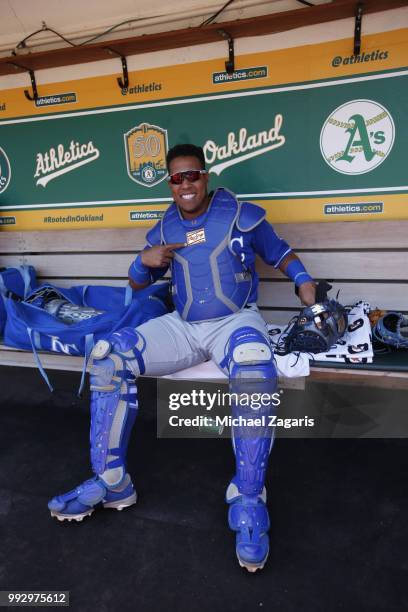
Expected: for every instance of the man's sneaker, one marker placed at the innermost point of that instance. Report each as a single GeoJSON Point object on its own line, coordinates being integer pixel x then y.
{"type": "Point", "coordinates": [248, 516]}
{"type": "Point", "coordinates": [81, 502]}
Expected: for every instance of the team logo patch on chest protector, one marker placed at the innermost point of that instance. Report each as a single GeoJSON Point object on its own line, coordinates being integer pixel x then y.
{"type": "Point", "coordinates": [209, 280]}
{"type": "Point", "coordinates": [195, 237]}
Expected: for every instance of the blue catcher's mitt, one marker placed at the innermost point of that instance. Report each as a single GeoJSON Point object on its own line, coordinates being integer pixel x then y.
{"type": "Point", "coordinates": [317, 328]}
{"type": "Point", "coordinates": [392, 330]}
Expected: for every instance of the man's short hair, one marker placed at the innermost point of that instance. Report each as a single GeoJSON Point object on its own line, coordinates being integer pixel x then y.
{"type": "Point", "coordinates": [186, 150]}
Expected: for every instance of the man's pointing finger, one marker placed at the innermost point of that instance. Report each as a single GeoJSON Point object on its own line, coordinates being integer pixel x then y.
{"type": "Point", "coordinates": [175, 245]}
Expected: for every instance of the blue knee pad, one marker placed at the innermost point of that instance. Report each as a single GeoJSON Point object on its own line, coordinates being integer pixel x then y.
{"type": "Point", "coordinates": [253, 377]}
{"type": "Point", "coordinates": [249, 355]}
{"type": "Point", "coordinates": [115, 364]}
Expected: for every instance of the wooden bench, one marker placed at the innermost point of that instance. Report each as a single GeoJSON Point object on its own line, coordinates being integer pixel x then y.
{"type": "Point", "coordinates": [363, 260]}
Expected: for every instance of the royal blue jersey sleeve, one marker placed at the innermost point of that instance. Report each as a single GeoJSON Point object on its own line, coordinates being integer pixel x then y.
{"type": "Point", "coordinates": [268, 245]}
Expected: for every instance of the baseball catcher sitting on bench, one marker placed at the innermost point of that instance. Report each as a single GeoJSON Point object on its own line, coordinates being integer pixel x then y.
{"type": "Point", "coordinates": [209, 241]}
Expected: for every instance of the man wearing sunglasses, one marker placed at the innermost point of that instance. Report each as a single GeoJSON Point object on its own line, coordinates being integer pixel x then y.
{"type": "Point", "coordinates": [209, 241]}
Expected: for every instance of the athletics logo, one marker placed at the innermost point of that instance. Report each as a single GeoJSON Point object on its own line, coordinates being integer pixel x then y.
{"type": "Point", "coordinates": [58, 161]}
{"type": "Point", "coordinates": [357, 137]}
{"type": "Point", "coordinates": [146, 149]}
{"type": "Point", "coordinates": [5, 171]}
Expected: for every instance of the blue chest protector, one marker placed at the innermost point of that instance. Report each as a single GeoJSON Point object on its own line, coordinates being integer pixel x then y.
{"type": "Point", "coordinates": [209, 280]}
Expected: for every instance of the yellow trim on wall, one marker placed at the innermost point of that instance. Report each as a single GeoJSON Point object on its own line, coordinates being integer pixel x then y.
{"type": "Point", "coordinates": [278, 211]}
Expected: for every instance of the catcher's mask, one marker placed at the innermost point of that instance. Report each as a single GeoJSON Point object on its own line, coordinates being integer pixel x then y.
{"type": "Point", "coordinates": [317, 328]}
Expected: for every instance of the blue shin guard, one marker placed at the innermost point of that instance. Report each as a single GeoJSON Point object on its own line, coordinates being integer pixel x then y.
{"type": "Point", "coordinates": [115, 364]}
{"type": "Point", "coordinates": [253, 381]}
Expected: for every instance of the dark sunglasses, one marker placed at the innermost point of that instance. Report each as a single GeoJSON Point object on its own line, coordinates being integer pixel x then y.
{"type": "Point", "coordinates": [191, 175]}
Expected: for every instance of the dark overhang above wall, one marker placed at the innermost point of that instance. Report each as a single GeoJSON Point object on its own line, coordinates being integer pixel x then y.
{"type": "Point", "coordinates": [254, 26]}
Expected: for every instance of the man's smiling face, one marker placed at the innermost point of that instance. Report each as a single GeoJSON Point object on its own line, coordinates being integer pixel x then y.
{"type": "Point", "coordinates": [190, 197]}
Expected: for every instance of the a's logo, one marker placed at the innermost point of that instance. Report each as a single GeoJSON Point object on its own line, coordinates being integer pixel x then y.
{"type": "Point", "coordinates": [146, 149]}
{"type": "Point", "coordinates": [240, 147]}
{"type": "Point", "coordinates": [5, 171]}
{"type": "Point", "coordinates": [357, 137]}
{"type": "Point", "coordinates": [58, 161]}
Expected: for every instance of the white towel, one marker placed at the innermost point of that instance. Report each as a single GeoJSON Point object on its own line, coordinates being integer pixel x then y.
{"type": "Point", "coordinates": [289, 366]}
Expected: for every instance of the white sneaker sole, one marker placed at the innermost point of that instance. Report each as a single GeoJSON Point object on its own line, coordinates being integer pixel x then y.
{"type": "Point", "coordinates": [71, 517]}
